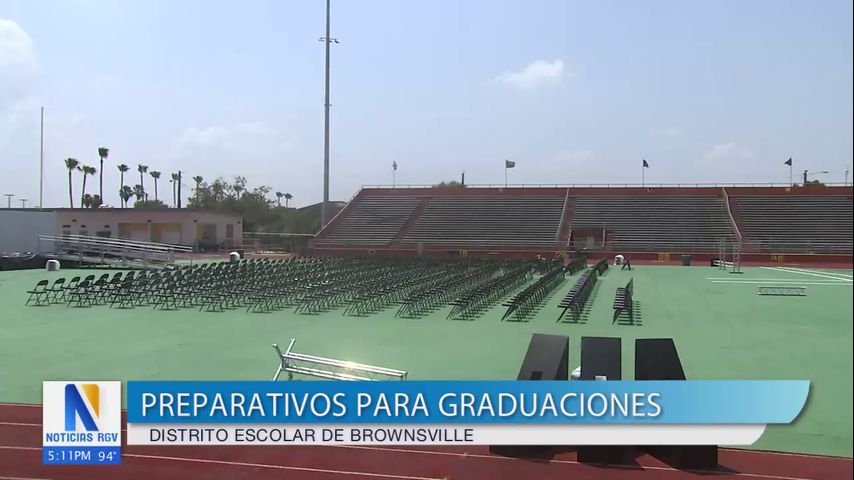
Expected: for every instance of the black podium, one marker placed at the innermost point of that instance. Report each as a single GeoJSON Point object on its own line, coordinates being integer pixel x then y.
{"type": "Point", "coordinates": [601, 359]}
{"type": "Point", "coordinates": [547, 358]}
{"type": "Point", "coordinates": [657, 359]}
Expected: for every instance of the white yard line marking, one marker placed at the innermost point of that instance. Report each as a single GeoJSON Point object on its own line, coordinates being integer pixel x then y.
{"type": "Point", "coordinates": [778, 284]}
{"type": "Point", "coordinates": [846, 275]}
{"type": "Point", "coordinates": [773, 280]}
{"type": "Point", "coordinates": [785, 269]}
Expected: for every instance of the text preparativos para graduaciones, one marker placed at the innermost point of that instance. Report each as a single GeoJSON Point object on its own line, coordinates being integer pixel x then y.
{"type": "Point", "coordinates": [292, 405]}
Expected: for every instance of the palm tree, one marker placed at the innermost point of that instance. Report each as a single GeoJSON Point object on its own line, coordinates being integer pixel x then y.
{"type": "Point", "coordinates": [103, 152]}
{"type": "Point", "coordinates": [125, 193]}
{"type": "Point", "coordinates": [122, 168]}
{"type": "Point", "coordinates": [87, 170]}
{"type": "Point", "coordinates": [288, 197]}
{"type": "Point", "coordinates": [279, 196]}
{"type": "Point", "coordinates": [139, 192]}
{"type": "Point", "coordinates": [175, 179]}
{"type": "Point", "coordinates": [198, 179]}
{"type": "Point", "coordinates": [156, 176]}
{"type": "Point", "coordinates": [71, 164]}
{"type": "Point", "coordinates": [141, 169]}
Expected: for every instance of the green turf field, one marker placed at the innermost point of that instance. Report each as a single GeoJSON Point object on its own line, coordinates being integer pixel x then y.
{"type": "Point", "coordinates": [722, 329]}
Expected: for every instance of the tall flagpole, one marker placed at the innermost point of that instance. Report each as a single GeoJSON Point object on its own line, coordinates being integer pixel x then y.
{"type": "Point", "coordinates": [505, 173]}
{"type": "Point", "coordinates": [41, 162]}
{"type": "Point", "coordinates": [323, 212]}
{"type": "Point", "coordinates": [643, 175]}
{"type": "Point", "coordinates": [790, 175]}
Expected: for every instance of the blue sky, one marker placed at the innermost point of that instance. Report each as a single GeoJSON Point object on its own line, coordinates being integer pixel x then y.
{"type": "Point", "coordinates": [574, 92]}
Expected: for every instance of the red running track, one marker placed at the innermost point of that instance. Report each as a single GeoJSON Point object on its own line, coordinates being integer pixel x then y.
{"type": "Point", "coordinates": [20, 459]}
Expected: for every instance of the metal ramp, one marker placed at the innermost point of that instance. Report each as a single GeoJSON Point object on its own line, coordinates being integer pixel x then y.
{"type": "Point", "coordinates": [115, 252]}
{"type": "Point", "coordinates": [330, 369]}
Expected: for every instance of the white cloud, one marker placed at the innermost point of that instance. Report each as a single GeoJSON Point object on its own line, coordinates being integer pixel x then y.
{"type": "Point", "coordinates": [673, 132]}
{"type": "Point", "coordinates": [16, 47]}
{"type": "Point", "coordinates": [256, 150]}
{"type": "Point", "coordinates": [538, 74]}
{"type": "Point", "coordinates": [17, 65]}
{"type": "Point", "coordinates": [728, 152]}
{"type": "Point", "coordinates": [576, 157]}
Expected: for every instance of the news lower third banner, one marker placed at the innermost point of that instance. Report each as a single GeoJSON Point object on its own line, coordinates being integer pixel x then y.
{"type": "Point", "coordinates": [460, 412]}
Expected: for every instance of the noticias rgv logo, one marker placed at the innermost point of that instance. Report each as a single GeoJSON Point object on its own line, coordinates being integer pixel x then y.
{"type": "Point", "coordinates": [81, 412]}
{"type": "Point", "coordinates": [76, 408]}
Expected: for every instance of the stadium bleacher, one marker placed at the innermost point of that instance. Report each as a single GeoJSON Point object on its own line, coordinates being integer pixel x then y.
{"type": "Point", "coordinates": [646, 222]}
{"type": "Point", "coordinates": [808, 224]}
{"type": "Point", "coordinates": [655, 223]}
{"type": "Point", "coordinates": [488, 221]}
{"type": "Point", "coordinates": [372, 221]}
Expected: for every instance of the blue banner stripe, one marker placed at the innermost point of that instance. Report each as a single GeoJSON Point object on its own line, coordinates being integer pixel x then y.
{"type": "Point", "coordinates": [543, 402]}
{"type": "Point", "coordinates": [81, 455]}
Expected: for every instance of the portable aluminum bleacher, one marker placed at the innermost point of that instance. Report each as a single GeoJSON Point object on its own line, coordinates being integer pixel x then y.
{"type": "Point", "coordinates": [784, 290]}
{"type": "Point", "coordinates": [331, 369]}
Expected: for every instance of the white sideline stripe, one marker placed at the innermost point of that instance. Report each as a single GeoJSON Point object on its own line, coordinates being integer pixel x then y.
{"type": "Point", "coordinates": [814, 272]}
{"type": "Point", "coordinates": [774, 284]}
{"type": "Point", "coordinates": [818, 271]}
{"type": "Point", "coordinates": [772, 280]}
{"type": "Point", "coordinates": [22, 478]}
{"type": "Point", "coordinates": [404, 477]}
{"type": "Point", "coordinates": [784, 269]}
{"type": "Point", "coordinates": [575, 462]}
{"type": "Point", "coordinates": [259, 465]}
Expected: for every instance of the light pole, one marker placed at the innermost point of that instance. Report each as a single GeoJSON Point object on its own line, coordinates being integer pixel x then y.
{"type": "Point", "coordinates": [9, 199]}
{"type": "Point", "coordinates": [328, 40]}
{"type": "Point", "coordinates": [807, 172]}
{"type": "Point", "coordinates": [23, 202]}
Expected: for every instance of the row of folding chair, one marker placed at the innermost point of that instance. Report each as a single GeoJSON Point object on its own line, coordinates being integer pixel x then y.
{"type": "Point", "coordinates": [577, 297]}
{"type": "Point", "coordinates": [524, 302]}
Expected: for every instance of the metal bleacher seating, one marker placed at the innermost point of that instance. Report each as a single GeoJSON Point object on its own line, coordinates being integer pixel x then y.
{"type": "Point", "coordinates": [655, 223]}
{"type": "Point", "coordinates": [372, 221]}
{"type": "Point", "coordinates": [796, 224]}
{"type": "Point", "coordinates": [488, 221]}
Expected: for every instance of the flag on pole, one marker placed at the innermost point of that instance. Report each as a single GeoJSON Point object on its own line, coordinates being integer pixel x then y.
{"type": "Point", "coordinates": [788, 162]}
{"type": "Point", "coordinates": [394, 166]}
{"type": "Point", "coordinates": [509, 164]}
{"type": "Point", "coordinates": [645, 164]}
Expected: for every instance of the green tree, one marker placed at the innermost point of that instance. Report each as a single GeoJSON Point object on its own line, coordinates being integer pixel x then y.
{"type": "Point", "coordinates": [288, 198]}
{"type": "Point", "coordinates": [149, 204]}
{"type": "Point", "coordinates": [451, 184]}
{"type": "Point", "coordinates": [156, 176]}
{"type": "Point", "coordinates": [279, 196]}
{"type": "Point", "coordinates": [103, 152]}
{"type": "Point", "coordinates": [71, 164]}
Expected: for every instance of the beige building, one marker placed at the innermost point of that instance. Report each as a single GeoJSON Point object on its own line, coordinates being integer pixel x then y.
{"type": "Point", "coordinates": [174, 226]}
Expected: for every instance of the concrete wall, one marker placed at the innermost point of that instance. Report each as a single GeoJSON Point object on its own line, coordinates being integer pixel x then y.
{"type": "Point", "coordinates": [165, 226]}
{"type": "Point", "coordinates": [19, 229]}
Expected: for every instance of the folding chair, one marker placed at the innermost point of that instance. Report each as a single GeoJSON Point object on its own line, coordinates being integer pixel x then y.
{"type": "Point", "coordinates": [55, 290]}
{"type": "Point", "coordinates": [39, 294]}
